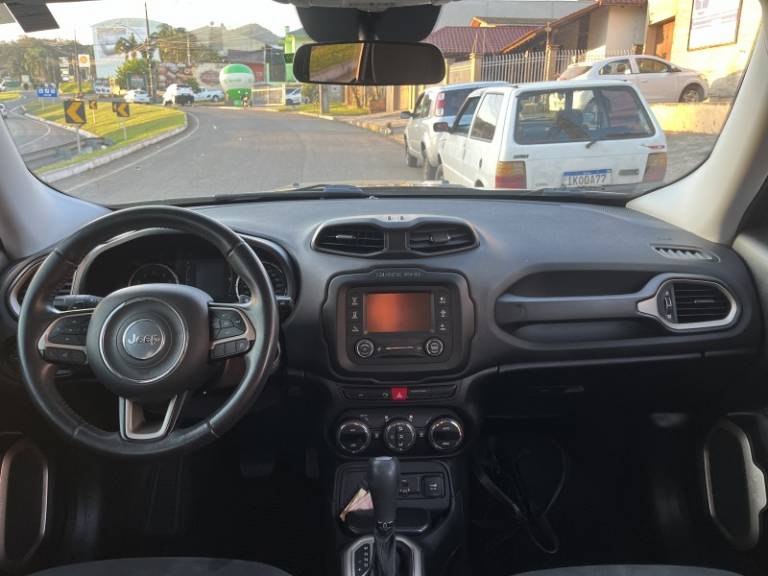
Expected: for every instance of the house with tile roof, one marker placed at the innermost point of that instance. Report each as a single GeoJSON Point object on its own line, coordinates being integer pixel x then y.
{"type": "Point", "coordinates": [458, 42]}
{"type": "Point", "coordinates": [603, 28]}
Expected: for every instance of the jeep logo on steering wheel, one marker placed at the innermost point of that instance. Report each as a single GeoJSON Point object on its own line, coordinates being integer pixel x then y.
{"type": "Point", "coordinates": [143, 339]}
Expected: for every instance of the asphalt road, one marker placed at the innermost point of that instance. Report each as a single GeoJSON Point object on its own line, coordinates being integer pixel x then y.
{"type": "Point", "coordinates": [228, 151]}
{"type": "Point", "coordinates": [32, 135]}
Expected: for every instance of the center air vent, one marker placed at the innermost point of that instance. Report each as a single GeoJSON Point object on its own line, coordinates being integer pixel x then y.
{"type": "Point", "coordinates": [21, 283]}
{"type": "Point", "coordinates": [438, 238]}
{"type": "Point", "coordinates": [351, 239]}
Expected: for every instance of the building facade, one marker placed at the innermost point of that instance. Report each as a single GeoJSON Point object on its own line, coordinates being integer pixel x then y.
{"type": "Point", "coordinates": [714, 37]}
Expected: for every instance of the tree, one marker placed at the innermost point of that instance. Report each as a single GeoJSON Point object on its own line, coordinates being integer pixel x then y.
{"type": "Point", "coordinates": [129, 67]}
{"type": "Point", "coordinates": [128, 46]}
{"type": "Point", "coordinates": [177, 45]}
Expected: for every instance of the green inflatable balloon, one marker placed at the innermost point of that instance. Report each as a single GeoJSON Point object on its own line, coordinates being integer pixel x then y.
{"type": "Point", "coordinates": [237, 81]}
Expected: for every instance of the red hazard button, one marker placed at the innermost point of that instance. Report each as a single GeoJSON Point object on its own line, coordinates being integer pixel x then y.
{"type": "Point", "coordinates": [399, 394]}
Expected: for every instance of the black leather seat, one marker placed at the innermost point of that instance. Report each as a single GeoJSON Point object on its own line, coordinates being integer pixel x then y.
{"type": "Point", "coordinates": [629, 570]}
{"type": "Point", "coordinates": [165, 567]}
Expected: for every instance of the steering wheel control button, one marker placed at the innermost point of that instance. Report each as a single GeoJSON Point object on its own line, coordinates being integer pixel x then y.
{"type": "Point", "coordinates": [353, 436]}
{"type": "Point", "coordinates": [226, 324]}
{"type": "Point", "coordinates": [64, 356]}
{"type": "Point", "coordinates": [144, 339]}
{"type": "Point", "coordinates": [434, 347]}
{"type": "Point", "coordinates": [231, 348]}
{"type": "Point", "coordinates": [364, 348]}
{"type": "Point", "coordinates": [445, 434]}
{"type": "Point", "coordinates": [399, 436]}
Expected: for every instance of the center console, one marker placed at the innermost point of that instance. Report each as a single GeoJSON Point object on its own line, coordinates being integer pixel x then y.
{"type": "Point", "coordinates": [399, 321]}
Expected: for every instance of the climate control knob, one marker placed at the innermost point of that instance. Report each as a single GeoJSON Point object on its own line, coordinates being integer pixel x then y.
{"type": "Point", "coordinates": [399, 435]}
{"type": "Point", "coordinates": [445, 434]}
{"type": "Point", "coordinates": [353, 436]}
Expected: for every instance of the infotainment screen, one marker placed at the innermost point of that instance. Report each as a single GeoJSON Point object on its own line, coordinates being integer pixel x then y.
{"type": "Point", "coordinates": [398, 312]}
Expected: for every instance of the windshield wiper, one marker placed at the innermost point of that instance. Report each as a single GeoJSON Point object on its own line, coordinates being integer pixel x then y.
{"type": "Point", "coordinates": [325, 188]}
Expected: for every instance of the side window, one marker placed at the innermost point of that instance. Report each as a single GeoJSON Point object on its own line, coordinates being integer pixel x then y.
{"type": "Point", "coordinates": [417, 107]}
{"type": "Point", "coordinates": [422, 110]}
{"type": "Point", "coordinates": [464, 118]}
{"type": "Point", "coordinates": [487, 117]}
{"type": "Point", "coordinates": [616, 68]}
{"type": "Point", "coordinates": [651, 66]}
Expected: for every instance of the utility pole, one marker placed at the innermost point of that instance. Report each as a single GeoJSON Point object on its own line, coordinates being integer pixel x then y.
{"type": "Point", "coordinates": [149, 57]}
{"type": "Point", "coordinates": [189, 54]}
{"type": "Point", "coordinates": [77, 69]}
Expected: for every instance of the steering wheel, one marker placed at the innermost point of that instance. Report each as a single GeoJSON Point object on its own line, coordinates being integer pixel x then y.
{"type": "Point", "coordinates": [151, 345]}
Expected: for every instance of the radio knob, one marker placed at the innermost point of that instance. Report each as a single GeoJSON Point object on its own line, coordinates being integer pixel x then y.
{"type": "Point", "coordinates": [434, 347]}
{"type": "Point", "coordinates": [399, 435]}
{"type": "Point", "coordinates": [353, 436]}
{"type": "Point", "coordinates": [445, 434]}
{"type": "Point", "coordinates": [364, 348]}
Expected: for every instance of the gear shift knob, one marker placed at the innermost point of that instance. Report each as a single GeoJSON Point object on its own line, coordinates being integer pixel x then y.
{"type": "Point", "coordinates": [383, 480]}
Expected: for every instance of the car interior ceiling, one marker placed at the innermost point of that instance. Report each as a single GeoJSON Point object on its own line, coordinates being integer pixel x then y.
{"type": "Point", "coordinates": [574, 386]}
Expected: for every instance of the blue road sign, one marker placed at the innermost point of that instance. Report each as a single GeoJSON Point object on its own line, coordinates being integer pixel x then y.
{"type": "Point", "coordinates": [47, 92]}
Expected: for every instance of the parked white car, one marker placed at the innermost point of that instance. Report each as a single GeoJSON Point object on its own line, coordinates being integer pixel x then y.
{"type": "Point", "coordinates": [294, 97]}
{"type": "Point", "coordinates": [436, 104]}
{"type": "Point", "coordinates": [214, 95]}
{"type": "Point", "coordinates": [3, 111]}
{"type": "Point", "coordinates": [137, 96]}
{"type": "Point", "coordinates": [657, 79]}
{"type": "Point", "coordinates": [572, 134]}
{"type": "Point", "coordinates": [178, 94]}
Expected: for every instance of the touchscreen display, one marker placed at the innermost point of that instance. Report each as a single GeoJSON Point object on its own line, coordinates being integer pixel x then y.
{"type": "Point", "coordinates": [398, 312]}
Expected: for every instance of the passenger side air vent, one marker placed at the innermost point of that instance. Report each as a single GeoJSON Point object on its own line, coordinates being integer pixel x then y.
{"type": "Point", "coordinates": [440, 238]}
{"type": "Point", "coordinates": [361, 239]}
{"type": "Point", "coordinates": [697, 302]}
{"type": "Point", "coordinates": [682, 253]}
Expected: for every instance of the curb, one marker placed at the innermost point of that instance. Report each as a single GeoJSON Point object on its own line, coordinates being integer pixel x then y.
{"type": "Point", "coordinates": [69, 171]}
{"type": "Point", "coordinates": [63, 126]}
{"type": "Point", "coordinates": [370, 126]}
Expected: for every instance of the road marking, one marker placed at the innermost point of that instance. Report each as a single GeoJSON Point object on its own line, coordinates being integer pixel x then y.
{"type": "Point", "coordinates": [140, 160]}
{"type": "Point", "coordinates": [23, 117]}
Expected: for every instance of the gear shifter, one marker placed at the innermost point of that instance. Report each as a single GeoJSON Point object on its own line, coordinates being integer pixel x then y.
{"type": "Point", "coordinates": [383, 479]}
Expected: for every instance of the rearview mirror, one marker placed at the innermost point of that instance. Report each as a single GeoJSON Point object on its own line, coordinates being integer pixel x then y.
{"type": "Point", "coordinates": [369, 63]}
{"type": "Point", "coordinates": [441, 127]}
{"type": "Point", "coordinates": [405, 115]}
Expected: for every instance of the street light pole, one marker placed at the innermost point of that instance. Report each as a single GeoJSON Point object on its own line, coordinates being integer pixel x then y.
{"type": "Point", "coordinates": [148, 54]}
{"type": "Point", "coordinates": [77, 69]}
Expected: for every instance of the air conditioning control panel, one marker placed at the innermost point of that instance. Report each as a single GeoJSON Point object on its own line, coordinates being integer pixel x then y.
{"type": "Point", "coordinates": [427, 431]}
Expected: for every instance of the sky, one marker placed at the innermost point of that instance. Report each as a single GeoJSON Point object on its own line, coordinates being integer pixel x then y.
{"type": "Point", "coordinates": [190, 14]}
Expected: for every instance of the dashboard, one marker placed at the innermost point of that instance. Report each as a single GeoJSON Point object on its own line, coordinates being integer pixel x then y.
{"type": "Point", "coordinates": [407, 291]}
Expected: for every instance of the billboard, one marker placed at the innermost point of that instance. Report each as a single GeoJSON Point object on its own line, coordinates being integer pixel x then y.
{"type": "Point", "coordinates": [107, 34]}
{"type": "Point", "coordinates": [714, 23]}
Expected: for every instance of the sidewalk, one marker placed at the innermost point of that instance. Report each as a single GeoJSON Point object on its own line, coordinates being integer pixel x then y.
{"type": "Point", "coordinates": [385, 123]}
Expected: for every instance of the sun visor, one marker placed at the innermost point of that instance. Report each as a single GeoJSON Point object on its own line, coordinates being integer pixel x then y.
{"type": "Point", "coordinates": [32, 17]}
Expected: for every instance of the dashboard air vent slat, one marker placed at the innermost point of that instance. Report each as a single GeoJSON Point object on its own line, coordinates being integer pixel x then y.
{"type": "Point", "coordinates": [681, 253]}
{"type": "Point", "coordinates": [700, 302]}
{"type": "Point", "coordinates": [440, 238]}
{"type": "Point", "coordinates": [351, 239]}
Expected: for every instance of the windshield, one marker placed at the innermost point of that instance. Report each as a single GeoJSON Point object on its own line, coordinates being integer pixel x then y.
{"type": "Point", "coordinates": [192, 101]}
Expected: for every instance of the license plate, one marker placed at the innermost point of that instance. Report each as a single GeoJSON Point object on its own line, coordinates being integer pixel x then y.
{"type": "Point", "coordinates": [587, 178]}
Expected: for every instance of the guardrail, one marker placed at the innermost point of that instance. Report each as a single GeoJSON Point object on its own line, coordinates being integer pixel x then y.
{"type": "Point", "coordinates": [46, 156]}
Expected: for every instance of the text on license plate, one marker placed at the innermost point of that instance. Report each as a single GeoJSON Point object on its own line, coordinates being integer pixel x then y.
{"type": "Point", "coordinates": [587, 178]}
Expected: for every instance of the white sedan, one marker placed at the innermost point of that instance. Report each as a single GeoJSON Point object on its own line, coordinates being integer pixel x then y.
{"type": "Point", "coordinates": [209, 96]}
{"type": "Point", "coordinates": [657, 79]}
{"type": "Point", "coordinates": [137, 96]}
